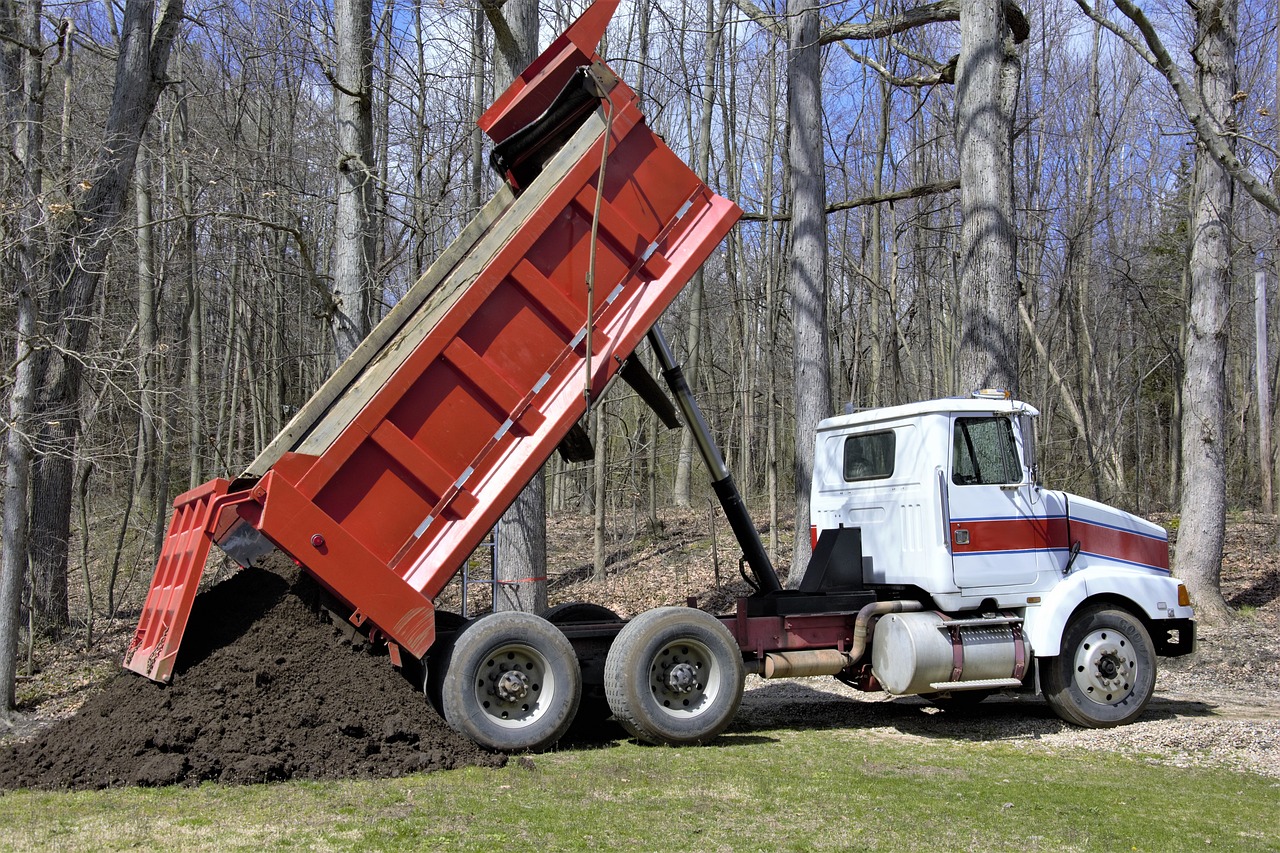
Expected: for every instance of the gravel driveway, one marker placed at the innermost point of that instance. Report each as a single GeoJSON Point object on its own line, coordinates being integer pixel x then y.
{"type": "Point", "coordinates": [1217, 707]}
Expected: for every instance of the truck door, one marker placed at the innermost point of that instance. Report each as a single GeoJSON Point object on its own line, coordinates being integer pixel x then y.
{"type": "Point", "coordinates": [996, 529]}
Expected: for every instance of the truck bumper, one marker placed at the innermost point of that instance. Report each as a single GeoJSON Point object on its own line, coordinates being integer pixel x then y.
{"type": "Point", "coordinates": [1174, 637]}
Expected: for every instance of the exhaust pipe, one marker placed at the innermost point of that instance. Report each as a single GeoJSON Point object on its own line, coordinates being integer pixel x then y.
{"type": "Point", "coordinates": [807, 662]}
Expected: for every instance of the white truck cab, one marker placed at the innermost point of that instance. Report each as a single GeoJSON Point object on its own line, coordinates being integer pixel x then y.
{"type": "Point", "coordinates": [951, 515]}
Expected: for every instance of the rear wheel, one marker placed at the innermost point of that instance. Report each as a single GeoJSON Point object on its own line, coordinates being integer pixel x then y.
{"type": "Point", "coordinates": [577, 612]}
{"type": "Point", "coordinates": [592, 720]}
{"type": "Point", "coordinates": [674, 675]}
{"type": "Point", "coordinates": [512, 682]}
{"type": "Point", "coordinates": [1105, 672]}
{"type": "Point", "coordinates": [448, 628]}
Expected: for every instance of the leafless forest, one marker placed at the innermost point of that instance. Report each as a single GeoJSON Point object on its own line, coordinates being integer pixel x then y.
{"type": "Point", "coordinates": [213, 305]}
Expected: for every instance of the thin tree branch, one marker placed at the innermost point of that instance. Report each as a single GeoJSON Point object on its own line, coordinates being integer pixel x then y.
{"type": "Point", "coordinates": [313, 275]}
{"type": "Point", "coordinates": [866, 200]}
{"type": "Point", "coordinates": [947, 10]}
{"type": "Point", "coordinates": [769, 23]}
{"type": "Point", "coordinates": [503, 38]}
{"type": "Point", "coordinates": [1210, 136]}
{"type": "Point", "coordinates": [880, 27]}
{"type": "Point", "coordinates": [942, 73]}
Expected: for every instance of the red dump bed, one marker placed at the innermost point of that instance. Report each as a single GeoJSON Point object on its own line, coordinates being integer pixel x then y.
{"type": "Point", "coordinates": [401, 463]}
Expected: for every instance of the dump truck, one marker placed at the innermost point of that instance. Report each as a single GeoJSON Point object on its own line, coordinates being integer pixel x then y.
{"type": "Point", "coordinates": [940, 565]}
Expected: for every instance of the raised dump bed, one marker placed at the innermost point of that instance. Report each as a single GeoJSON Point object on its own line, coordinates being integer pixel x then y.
{"type": "Point", "coordinates": [399, 465]}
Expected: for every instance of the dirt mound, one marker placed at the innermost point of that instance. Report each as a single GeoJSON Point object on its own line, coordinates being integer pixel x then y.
{"type": "Point", "coordinates": [265, 689]}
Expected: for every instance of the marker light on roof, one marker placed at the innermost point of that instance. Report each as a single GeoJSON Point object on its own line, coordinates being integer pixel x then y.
{"type": "Point", "coordinates": [992, 394]}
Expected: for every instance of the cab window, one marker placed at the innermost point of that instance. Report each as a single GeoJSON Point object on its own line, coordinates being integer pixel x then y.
{"type": "Point", "coordinates": [868, 457]}
{"type": "Point", "coordinates": [985, 453]}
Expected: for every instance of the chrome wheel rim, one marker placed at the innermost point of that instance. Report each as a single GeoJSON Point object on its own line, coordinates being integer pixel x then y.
{"type": "Point", "coordinates": [683, 678]}
{"type": "Point", "coordinates": [1106, 668]}
{"type": "Point", "coordinates": [514, 686]}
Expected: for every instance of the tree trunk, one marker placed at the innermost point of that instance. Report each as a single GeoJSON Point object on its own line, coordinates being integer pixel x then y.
{"type": "Point", "coordinates": [680, 491]}
{"type": "Point", "coordinates": [193, 331]}
{"type": "Point", "coordinates": [681, 482]}
{"type": "Point", "coordinates": [515, 38]}
{"type": "Point", "coordinates": [1275, 258]}
{"type": "Point", "coordinates": [522, 552]}
{"type": "Point", "coordinates": [475, 198]}
{"type": "Point", "coordinates": [20, 80]}
{"type": "Point", "coordinates": [808, 267]}
{"type": "Point", "coordinates": [1204, 483]}
{"type": "Point", "coordinates": [1263, 384]}
{"type": "Point", "coordinates": [876, 313]}
{"type": "Point", "coordinates": [772, 275]}
{"type": "Point", "coordinates": [522, 534]}
{"type": "Point", "coordinates": [144, 470]}
{"type": "Point", "coordinates": [13, 556]}
{"type": "Point", "coordinates": [986, 94]}
{"type": "Point", "coordinates": [380, 253]}
{"type": "Point", "coordinates": [353, 238]}
{"type": "Point", "coordinates": [77, 265]}
{"type": "Point", "coordinates": [50, 512]}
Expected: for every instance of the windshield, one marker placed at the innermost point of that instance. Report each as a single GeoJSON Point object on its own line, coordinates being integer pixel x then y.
{"type": "Point", "coordinates": [985, 452]}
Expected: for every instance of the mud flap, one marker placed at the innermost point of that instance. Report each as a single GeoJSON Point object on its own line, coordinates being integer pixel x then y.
{"type": "Point", "coordinates": [155, 643]}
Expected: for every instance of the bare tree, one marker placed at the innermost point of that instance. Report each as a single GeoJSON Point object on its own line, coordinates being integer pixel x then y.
{"type": "Point", "coordinates": [702, 165]}
{"type": "Point", "coordinates": [1209, 134]}
{"type": "Point", "coordinates": [1203, 500]}
{"type": "Point", "coordinates": [20, 85]}
{"type": "Point", "coordinates": [47, 387]}
{"type": "Point", "coordinates": [521, 553]}
{"type": "Point", "coordinates": [986, 95]}
{"type": "Point", "coordinates": [1207, 106]}
{"type": "Point", "coordinates": [354, 241]}
{"type": "Point", "coordinates": [808, 264]}
{"type": "Point", "coordinates": [1262, 381]}
{"type": "Point", "coordinates": [77, 265]}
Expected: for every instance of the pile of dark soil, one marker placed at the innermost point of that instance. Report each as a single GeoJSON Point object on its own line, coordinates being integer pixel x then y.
{"type": "Point", "coordinates": [266, 688]}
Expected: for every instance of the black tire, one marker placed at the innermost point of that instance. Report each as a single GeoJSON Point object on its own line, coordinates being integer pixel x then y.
{"type": "Point", "coordinates": [1106, 671]}
{"type": "Point", "coordinates": [512, 682]}
{"type": "Point", "coordinates": [578, 612]}
{"type": "Point", "coordinates": [448, 622]}
{"type": "Point", "coordinates": [674, 675]}
{"type": "Point", "coordinates": [592, 721]}
{"type": "Point", "coordinates": [448, 628]}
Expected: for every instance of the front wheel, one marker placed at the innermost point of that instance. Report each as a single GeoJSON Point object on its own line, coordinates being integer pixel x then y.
{"type": "Point", "coordinates": [512, 682]}
{"type": "Point", "coordinates": [1105, 673]}
{"type": "Point", "coordinates": [674, 675]}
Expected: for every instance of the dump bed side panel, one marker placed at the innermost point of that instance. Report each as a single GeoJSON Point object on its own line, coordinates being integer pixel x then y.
{"type": "Point", "coordinates": [429, 290]}
{"type": "Point", "coordinates": [391, 475]}
{"type": "Point", "coordinates": [424, 451]}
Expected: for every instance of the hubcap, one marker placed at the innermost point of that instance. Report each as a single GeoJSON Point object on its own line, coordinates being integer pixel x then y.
{"type": "Point", "coordinates": [1105, 667]}
{"type": "Point", "coordinates": [514, 685]}
{"type": "Point", "coordinates": [683, 678]}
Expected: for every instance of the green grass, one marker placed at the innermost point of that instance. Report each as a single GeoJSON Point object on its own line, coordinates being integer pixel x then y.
{"type": "Point", "coordinates": [834, 789]}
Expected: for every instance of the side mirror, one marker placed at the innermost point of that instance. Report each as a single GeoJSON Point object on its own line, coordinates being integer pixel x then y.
{"type": "Point", "coordinates": [1027, 426]}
